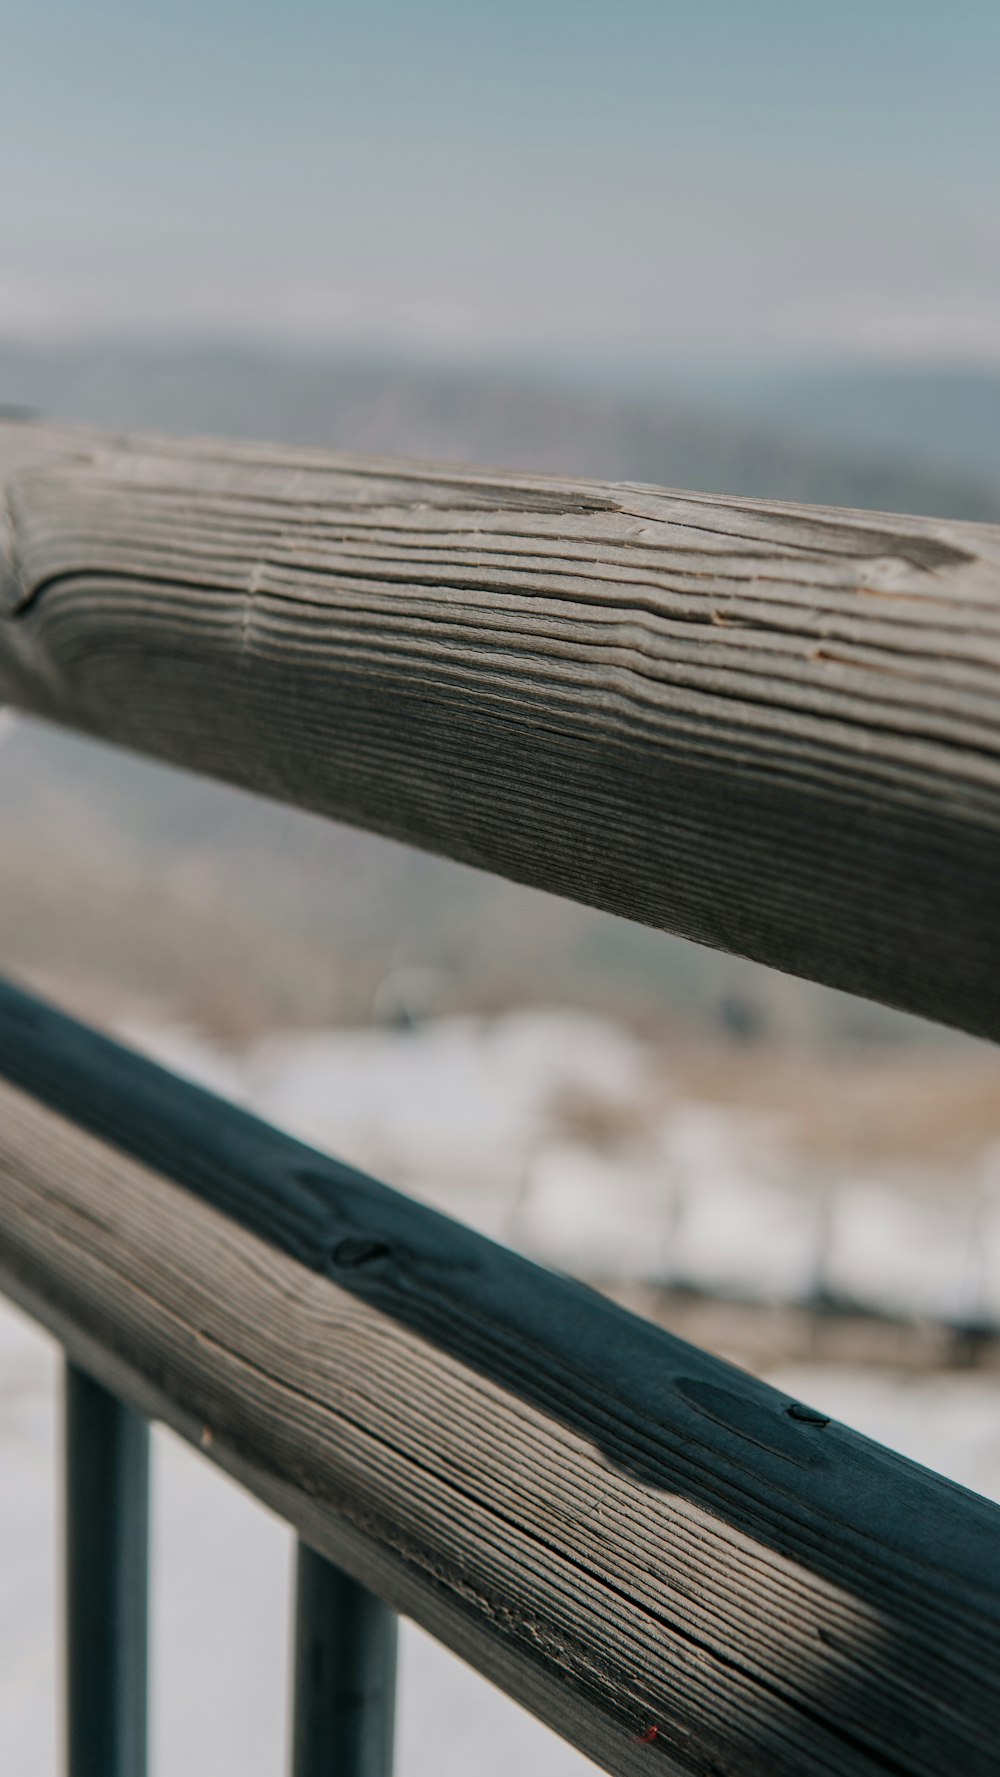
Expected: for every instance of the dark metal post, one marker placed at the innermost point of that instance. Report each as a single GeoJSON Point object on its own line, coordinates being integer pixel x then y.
{"type": "Point", "coordinates": [107, 1584]}
{"type": "Point", "coordinates": [345, 1675]}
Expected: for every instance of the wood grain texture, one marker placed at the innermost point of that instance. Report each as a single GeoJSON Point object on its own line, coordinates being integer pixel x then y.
{"type": "Point", "coordinates": [622, 1532]}
{"type": "Point", "coordinates": [772, 729]}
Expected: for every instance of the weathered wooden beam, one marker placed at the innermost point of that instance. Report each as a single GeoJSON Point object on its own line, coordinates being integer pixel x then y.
{"type": "Point", "coordinates": [675, 1566]}
{"type": "Point", "coordinates": [772, 729]}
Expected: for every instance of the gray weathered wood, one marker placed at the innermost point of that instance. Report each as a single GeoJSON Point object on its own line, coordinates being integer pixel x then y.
{"type": "Point", "coordinates": [678, 1568]}
{"type": "Point", "coordinates": [771, 729]}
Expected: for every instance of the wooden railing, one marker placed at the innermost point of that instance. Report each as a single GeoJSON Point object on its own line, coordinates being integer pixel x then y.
{"type": "Point", "coordinates": [769, 728]}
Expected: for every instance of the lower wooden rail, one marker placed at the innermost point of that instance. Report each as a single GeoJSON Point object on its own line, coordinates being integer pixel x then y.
{"type": "Point", "coordinates": [676, 1567]}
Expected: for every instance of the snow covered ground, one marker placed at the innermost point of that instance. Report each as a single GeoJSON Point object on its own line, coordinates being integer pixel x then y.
{"type": "Point", "coordinates": [560, 1134]}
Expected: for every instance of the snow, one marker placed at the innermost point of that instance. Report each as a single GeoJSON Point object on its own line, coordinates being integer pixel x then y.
{"type": "Point", "coordinates": [555, 1132]}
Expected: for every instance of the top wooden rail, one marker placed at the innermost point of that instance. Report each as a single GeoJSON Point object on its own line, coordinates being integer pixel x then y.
{"type": "Point", "coordinates": [773, 729]}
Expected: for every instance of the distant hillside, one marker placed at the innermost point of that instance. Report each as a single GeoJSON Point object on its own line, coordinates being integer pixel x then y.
{"type": "Point", "coordinates": [491, 418]}
{"type": "Point", "coordinates": [943, 417]}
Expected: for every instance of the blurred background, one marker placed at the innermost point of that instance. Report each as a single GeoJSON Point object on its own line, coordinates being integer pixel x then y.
{"type": "Point", "coordinates": [749, 250]}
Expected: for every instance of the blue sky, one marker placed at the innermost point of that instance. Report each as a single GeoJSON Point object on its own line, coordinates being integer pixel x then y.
{"type": "Point", "coordinates": [658, 182]}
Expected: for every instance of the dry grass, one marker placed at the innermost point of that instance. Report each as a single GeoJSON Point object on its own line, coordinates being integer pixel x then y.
{"type": "Point", "coordinates": [939, 1106]}
{"type": "Point", "coordinates": [762, 1335]}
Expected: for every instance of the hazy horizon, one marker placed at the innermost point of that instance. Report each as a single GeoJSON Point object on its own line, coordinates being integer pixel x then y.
{"type": "Point", "coordinates": [671, 186]}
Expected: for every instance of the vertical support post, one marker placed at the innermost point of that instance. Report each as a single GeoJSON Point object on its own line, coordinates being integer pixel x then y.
{"type": "Point", "coordinates": [107, 1581]}
{"type": "Point", "coordinates": [344, 1692]}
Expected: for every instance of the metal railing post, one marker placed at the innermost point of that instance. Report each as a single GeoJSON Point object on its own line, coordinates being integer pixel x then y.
{"type": "Point", "coordinates": [344, 1689]}
{"type": "Point", "coordinates": [107, 1585]}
